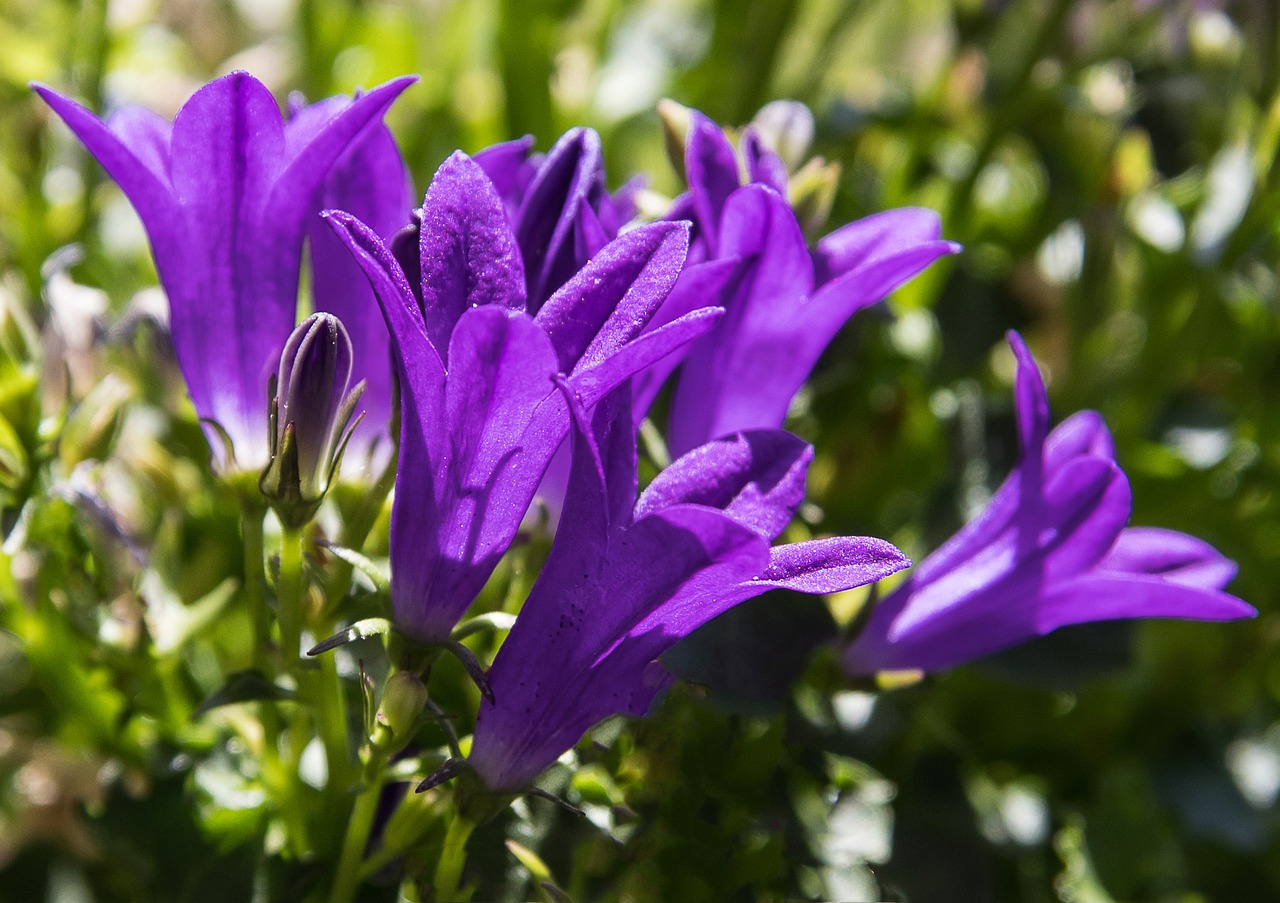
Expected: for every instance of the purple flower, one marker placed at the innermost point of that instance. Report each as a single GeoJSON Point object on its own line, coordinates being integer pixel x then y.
{"type": "Point", "coordinates": [480, 412]}
{"type": "Point", "coordinates": [1051, 549]}
{"type": "Point", "coordinates": [784, 303]}
{"type": "Point", "coordinates": [626, 579]}
{"type": "Point", "coordinates": [226, 193]}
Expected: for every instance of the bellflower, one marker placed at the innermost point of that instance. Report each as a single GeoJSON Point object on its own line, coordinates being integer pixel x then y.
{"type": "Point", "coordinates": [1051, 549]}
{"type": "Point", "coordinates": [626, 579]}
{"type": "Point", "coordinates": [480, 412]}
{"type": "Point", "coordinates": [784, 303]}
{"type": "Point", "coordinates": [226, 193]}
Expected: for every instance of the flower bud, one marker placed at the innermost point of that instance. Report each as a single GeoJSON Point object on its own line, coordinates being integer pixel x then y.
{"type": "Point", "coordinates": [675, 131]}
{"type": "Point", "coordinates": [310, 417]}
{"type": "Point", "coordinates": [786, 128]}
{"type": "Point", "coordinates": [403, 700]}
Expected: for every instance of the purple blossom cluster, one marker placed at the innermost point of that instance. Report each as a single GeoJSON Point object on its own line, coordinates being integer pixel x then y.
{"type": "Point", "coordinates": [524, 312]}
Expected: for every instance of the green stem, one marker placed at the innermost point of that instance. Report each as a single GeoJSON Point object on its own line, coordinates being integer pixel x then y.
{"type": "Point", "coordinates": [290, 593]}
{"type": "Point", "coordinates": [359, 825]}
{"type": "Point", "coordinates": [453, 857]}
{"type": "Point", "coordinates": [254, 580]}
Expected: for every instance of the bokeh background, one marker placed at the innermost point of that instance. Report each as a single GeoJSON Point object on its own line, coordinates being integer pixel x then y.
{"type": "Point", "coordinates": [1109, 166]}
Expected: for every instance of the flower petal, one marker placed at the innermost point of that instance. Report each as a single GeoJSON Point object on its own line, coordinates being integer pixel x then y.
{"type": "Point", "coordinates": [757, 478]}
{"type": "Point", "coordinates": [712, 170]}
{"type": "Point", "coordinates": [468, 256]}
{"type": "Point", "coordinates": [744, 374]}
{"type": "Point", "coordinates": [571, 173]}
{"type": "Point", "coordinates": [1105, 597]}
{"type": "Point", "coordinates": [609, 301]}
{"type": "Point", "coordinates": [831, 565]}
{"type": "Point", "coordinates": [1169, 555]}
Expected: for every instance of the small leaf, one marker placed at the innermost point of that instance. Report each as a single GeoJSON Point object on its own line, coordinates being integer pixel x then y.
{"type": "Point", "coordinates": [377, 573]}
{"type": "Point", "coordinates": [494, 620]}
{"type": "Point", "coordinates": [360, 630]}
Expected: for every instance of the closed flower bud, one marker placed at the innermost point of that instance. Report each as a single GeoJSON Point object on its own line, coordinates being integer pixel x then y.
{"type": "Point", "coordinates": [786, 127]}
{"type": "Point", "coordinates": [310, 417]}
{"type": "Point", "coordinates": [402, 703]}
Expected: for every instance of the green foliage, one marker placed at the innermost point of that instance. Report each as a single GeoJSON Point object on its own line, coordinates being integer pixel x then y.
{"type": "Point", "coordinates": [1112, 174]}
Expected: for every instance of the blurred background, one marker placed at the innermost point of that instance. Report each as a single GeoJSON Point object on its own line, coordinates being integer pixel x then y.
{"type": "Point", "coordinates": [1109, 166]}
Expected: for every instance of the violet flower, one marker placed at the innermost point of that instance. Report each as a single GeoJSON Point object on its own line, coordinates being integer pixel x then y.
{"type": "Point", "coordinates": [1050, 549]}
{"type": "Point", "coordinates": [481, 415]}
{"type": "Point", "coordinates": [226, 193]}
{"type": "Point", "coordinates": [784, 303]}
{"type": "Point", "coordinates": [626, 579]}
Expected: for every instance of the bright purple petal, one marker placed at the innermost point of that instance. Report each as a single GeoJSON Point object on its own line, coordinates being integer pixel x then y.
{"type": "Point", "coordinates": [1169, 555]}
{"type": "Point", "coordinates": [744, 374]}
{"type": "Point", "coordinates": [712, 170]}
{"type": "Point", "coordinates": [757, 478]}
{"type": "Point", "coordinates": [468, 257]}
{"type": "Point", "coordinates": [610, 300]}
{"type": "Point", "coordinates": [572, 173]}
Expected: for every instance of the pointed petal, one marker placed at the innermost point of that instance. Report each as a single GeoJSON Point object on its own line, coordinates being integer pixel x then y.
{"type": "Point", "coordinates": [1031, 402]}
{"type": "Point", "coordinates": [1103, 597]}
{"type": "Point", "coordinates": [887, 234]}
{"type": "Point", "coordinates": [862, 285]}
{"type": "Point", "coordinates": [469, 257]}
{"type": "Point", "coordinates": [831, 565]}
{"type": "Point", "coordinates": [648, 349]}
{"type": "Point", "coordinates": [757, 478]}
{"type": "Point", "coordinates": [503, 421]}
{"type": "Point", "coordinates": [744, 375]}
{"type": "Point", "coordinates": [1169, 555]}
{"type": "Point", "coordinates": [571, 173]}
{"type": "Point", "coordinates": [712, 170]}
{"type": "Point", "coordinates": [610, 300]}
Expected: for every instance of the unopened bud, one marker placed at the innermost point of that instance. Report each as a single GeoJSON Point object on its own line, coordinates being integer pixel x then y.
{"type": "Point", "coordinates": [403, 700]}
{"type": "Point", "coordinates": [310, 419]}
{"type": "Point", "coordinates": [786, 128]}
{"type": "Point", "coordinates": [675, 132]}
{"type": "Point", "coordinates": [92, 426]}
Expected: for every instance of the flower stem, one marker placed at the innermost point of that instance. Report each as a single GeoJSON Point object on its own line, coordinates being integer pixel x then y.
{"type": "Point", "coordinates": [291, 591]}
{"type": "Point", "coordinates": [347, 879]}
{"type": "Point", "coordinates": [453, 857]}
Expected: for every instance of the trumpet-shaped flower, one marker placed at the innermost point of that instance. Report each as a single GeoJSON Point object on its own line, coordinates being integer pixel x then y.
{"type": "Point", "coordinates": [1051, 549]}
{"type": "Point", "coordinates": [481, 415]}
{"type": "Point", "coordinates": [784, 303]}
{"type": "Point", "coordinates": [626, 579]}
{"type": "Point", "coordinates": [226, 193]}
